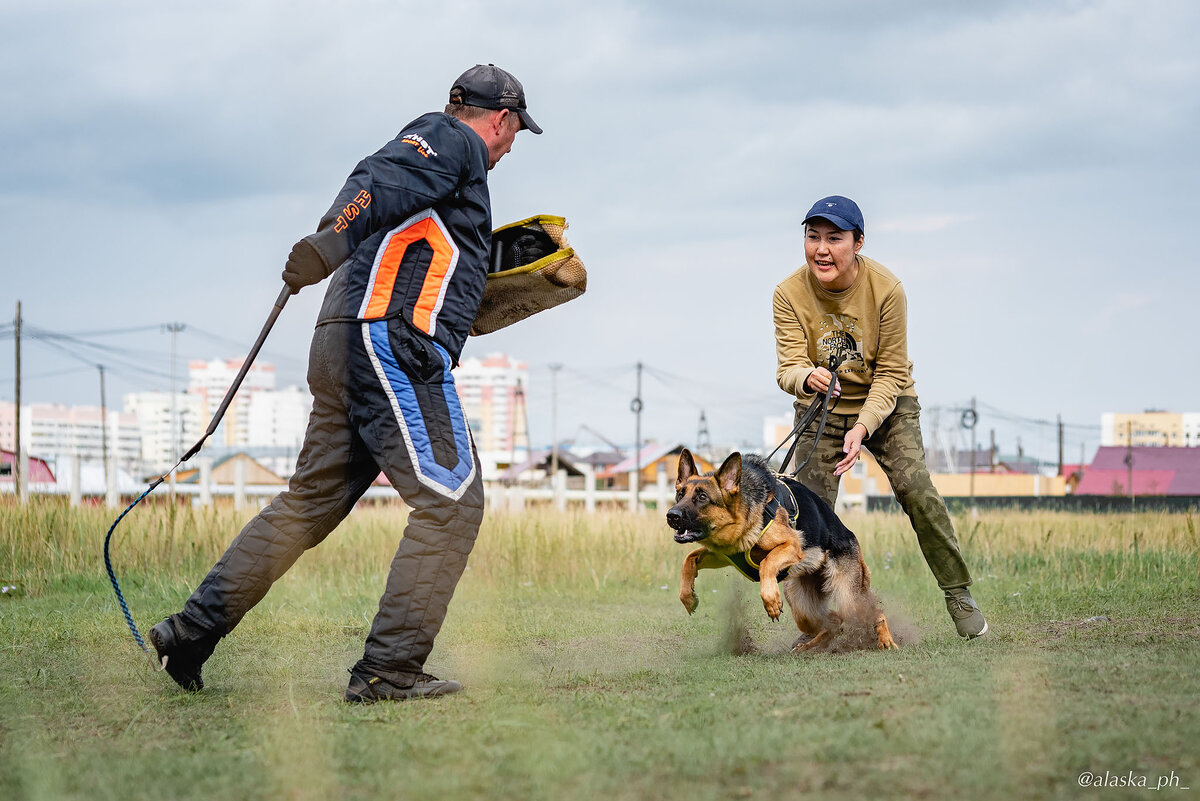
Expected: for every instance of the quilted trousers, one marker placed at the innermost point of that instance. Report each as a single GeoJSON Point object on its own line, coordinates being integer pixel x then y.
{"type": "Point", "coordinates": [383, 400]}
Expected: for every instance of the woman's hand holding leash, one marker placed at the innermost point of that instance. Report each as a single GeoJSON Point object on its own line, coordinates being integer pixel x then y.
{"type": "Point", "coordinates": [818, 382]}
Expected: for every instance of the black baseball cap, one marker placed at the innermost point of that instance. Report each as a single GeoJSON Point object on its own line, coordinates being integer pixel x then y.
{"type": "Point", "coordinates": [488, 86]}
{"type": "Point", "coordinates": [841, 211]}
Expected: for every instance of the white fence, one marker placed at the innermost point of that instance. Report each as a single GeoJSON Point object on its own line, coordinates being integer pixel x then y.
{"type": "Point", "coordinates": [500, 497]}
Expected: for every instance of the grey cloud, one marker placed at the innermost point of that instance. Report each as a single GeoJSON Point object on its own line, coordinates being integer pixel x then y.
{"type": "Point", "coordinates": [683, 141]}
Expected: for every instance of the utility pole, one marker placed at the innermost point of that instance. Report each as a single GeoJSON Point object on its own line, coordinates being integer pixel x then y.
{"type": "Point", "coordinates": [554, 368]}
{"type": "Point", "coordinates": [1129, 459]}
{"type": "Point", "coordinates": [17, 475]}
{"type": "Point", "coordinates": [1060, 445]}
{"type": "Point", "coordinates": [104, 431]}
{"type": "Point", "coordinates": [636, 407]}
{"type": "Point", "coordinates": [992, 453]}
{"type": "Point", "coordinates": [970, 418]}
{"type": "Point", "coordinates": [518, 399]}
{"type": "Point", "coordinates": [173, 329]}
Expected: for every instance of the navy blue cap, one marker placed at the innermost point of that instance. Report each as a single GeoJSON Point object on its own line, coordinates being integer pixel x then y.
{"type": "Point", "coordinates": [841, 211]}
{"type": "Point", "coordinates": [488, 86]}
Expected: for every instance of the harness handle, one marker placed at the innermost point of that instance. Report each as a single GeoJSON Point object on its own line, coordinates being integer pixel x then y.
{"type": "Point", "coordinates": [820, 405]}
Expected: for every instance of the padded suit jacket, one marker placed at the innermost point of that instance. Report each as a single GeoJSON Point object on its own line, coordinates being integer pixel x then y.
{"type": "Point", "coordinates": [409, 235]}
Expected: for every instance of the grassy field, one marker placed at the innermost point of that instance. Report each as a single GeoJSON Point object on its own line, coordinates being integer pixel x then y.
{"type": "Point", "coordinates": [586, 679]}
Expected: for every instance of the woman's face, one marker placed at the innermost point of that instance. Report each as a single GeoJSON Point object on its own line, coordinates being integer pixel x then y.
{"type": "Point", "coordinates": [830, 254]}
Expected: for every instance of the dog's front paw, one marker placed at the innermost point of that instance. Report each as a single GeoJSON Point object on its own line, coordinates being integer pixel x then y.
{"type": "Point", "coordinates": [690, 601]}
{"type": "Point", "coordinates": [773, 604]}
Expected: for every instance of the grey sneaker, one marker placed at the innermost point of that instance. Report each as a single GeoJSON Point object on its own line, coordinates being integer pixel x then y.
{"type": "Point", "coordinates": [366, 688]}
{"type": "Point", "coordinates": [967, 617]}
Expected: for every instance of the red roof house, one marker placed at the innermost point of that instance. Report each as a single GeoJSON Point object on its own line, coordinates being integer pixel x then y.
{"type": "Point", "coordinates": [1156, 471]}
{"type": "Point", "coordinates": [39, 471]}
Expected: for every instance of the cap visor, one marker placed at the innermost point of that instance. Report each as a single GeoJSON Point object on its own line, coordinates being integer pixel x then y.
{"type": "Point", "coordinates": [842, 224]}
{"type": "Point", "coordinates": [528, 122]}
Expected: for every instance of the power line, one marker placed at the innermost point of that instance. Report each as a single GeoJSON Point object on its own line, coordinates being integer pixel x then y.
{"type": "Point", "coordinates": [233, 343]}
{"type": "Point", "coordinates": [113, 360]}
{"type": "Point", "coordinates": [112, 350]}
{"type": "Point", "coordinates": [1016, 418]}
{"type": "Point", "coordinates": [704, 398]}
{"type": "Point", "coordinates": [112, 331]}
{"type": "Point", "coordinates": [586, 378]}
{"type": "Point", "coordinates": [52, 374]}
{"type": "Point", "coordinates": [659, 378]}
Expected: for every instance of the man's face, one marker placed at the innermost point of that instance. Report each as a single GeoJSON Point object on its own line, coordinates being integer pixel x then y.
{"type": "Point", "coordinates": [830, 254]}
{"type": "Point", "coordinates": [504, 130]}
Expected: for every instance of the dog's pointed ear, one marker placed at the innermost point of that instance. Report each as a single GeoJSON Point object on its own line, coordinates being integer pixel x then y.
{"type": "Point", "coordinates": [729, 475]}
{"type": "Point", "coordinates": [687, 468]}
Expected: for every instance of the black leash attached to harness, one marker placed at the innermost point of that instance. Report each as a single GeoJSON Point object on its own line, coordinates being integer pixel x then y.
{"type": "Point", "coordinates": [212, 426]}
{"type": "Point", "coordinates": [819, 406]}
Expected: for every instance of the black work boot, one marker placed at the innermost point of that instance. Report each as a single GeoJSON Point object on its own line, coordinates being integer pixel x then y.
{"type": "Point", "coordinates": [183, 656]}
{"type": "Point", "coordinates": [367, 688]}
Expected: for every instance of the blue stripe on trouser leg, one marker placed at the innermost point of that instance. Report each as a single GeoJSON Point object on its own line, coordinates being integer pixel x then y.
{"type": "Point", "coordinates": [453, 481]}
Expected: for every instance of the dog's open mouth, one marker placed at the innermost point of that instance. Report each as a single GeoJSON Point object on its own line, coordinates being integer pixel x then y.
{"type": "Point", "coordinates": [688, 536]}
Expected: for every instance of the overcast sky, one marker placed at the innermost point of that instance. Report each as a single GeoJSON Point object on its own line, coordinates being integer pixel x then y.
{"type": "Point", "coordinates": [1027, 169]}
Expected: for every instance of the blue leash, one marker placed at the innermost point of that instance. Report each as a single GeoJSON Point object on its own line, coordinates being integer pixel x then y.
{"type": "Point", "coordinates": [112, 576]}
{"type": "Point", "coordinates": [212, 426]}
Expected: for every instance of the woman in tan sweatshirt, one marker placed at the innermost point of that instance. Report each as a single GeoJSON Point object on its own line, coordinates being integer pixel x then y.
{"type": "Point", "coordinates": [846, 308]}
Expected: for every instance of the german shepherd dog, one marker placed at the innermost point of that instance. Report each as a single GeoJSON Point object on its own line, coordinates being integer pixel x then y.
{"type": "Point", "coordinates": [739, 518]}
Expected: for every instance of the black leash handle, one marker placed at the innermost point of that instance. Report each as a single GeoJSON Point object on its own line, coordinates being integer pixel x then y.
{"type": "Point", "coordinates": [820, 405]}
{"type": "Point", "coordinates": [212, 426]}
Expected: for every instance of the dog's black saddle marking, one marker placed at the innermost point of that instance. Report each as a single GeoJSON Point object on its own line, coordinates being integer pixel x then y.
{"type": "Point", "coordinates": [782, 495]}
{"type": "Point", "coordinates": [810, 515]}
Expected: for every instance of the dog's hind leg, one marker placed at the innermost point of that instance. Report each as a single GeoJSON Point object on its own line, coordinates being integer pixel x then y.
{"type": "Point", "coordinates": [883, 634]}
{"type": "Point", "coordinates": [848, 585]}
{"type": "Point", "coordinates": [806, 606]}
{"type": "Point", "coordinates": [810, 609]}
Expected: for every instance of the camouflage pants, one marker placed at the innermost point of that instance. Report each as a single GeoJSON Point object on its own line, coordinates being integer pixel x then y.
{"type": "Point", "coordinates": [898, 449]}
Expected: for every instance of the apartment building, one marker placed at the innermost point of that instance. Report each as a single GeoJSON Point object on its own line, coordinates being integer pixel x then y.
{"type": "Point", "coordinates": [167, 428]}
{"type": "Point", "coordinates": [1152, 428]}
{"type": "Point", "coordinates": [54, 432]}
{"type": "Point", "coordinates": [492, 391]}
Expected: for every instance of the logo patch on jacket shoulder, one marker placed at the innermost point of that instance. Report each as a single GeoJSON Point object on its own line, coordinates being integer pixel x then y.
{"type": "Point", "coordinates": [420, 143]}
